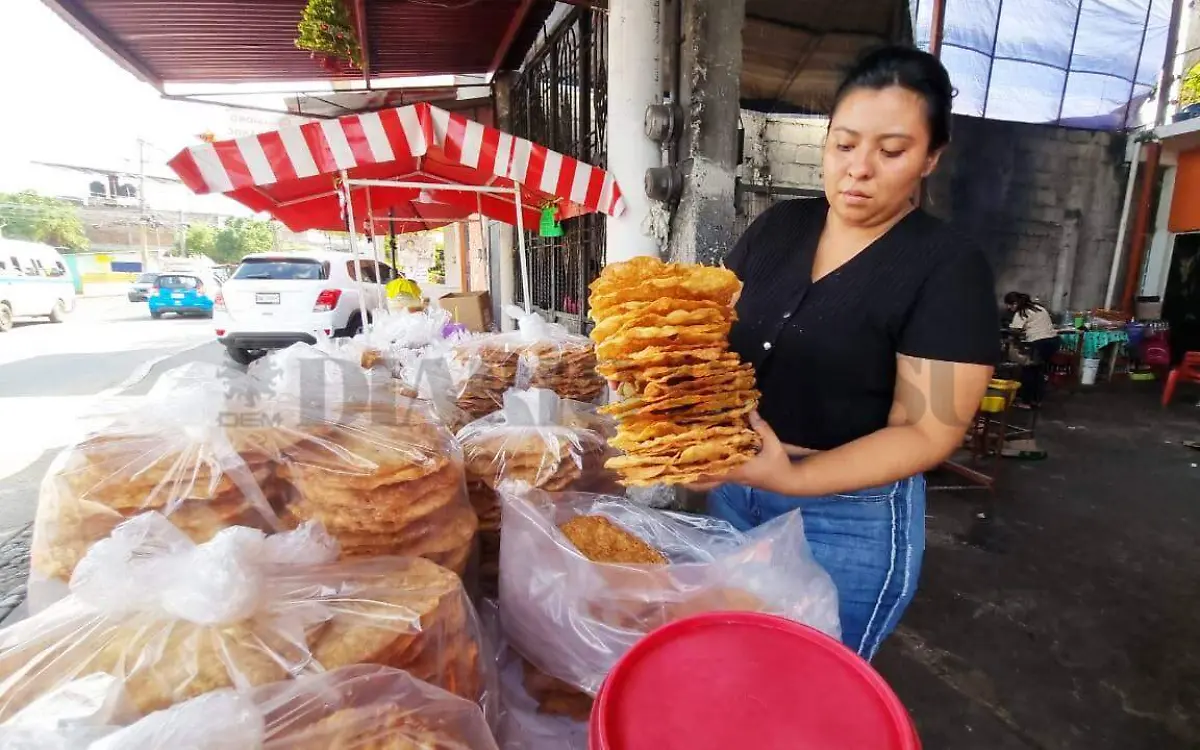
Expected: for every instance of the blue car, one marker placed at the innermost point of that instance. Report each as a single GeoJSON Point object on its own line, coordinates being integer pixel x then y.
{"type": "Point", "coordinates": [182, 294]}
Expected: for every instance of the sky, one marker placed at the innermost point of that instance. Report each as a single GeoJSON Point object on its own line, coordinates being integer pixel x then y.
{"type": "Point", "coordinates": [65, 101]}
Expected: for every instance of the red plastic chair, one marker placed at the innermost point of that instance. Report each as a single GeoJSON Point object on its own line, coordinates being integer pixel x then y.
{"type": "Point", "coordinates": [1188, 370]}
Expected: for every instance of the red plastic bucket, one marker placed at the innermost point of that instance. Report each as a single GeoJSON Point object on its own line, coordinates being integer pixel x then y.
{"type": "Point", "coordinates": [746, 680]}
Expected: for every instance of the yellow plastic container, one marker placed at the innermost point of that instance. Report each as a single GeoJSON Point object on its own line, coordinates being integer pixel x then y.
{"type": "Point", "coordinates": [993, 404]}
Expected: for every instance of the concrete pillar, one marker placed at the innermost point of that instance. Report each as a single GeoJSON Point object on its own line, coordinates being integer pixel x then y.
{"type": "Point", "coordinates": [1162, 243]}
{"type": "Point", "coordinates": [634, 83]}
{"type": "Point", "coordinates": [711, 64]}
{"type": "Point", "coordinates": [501, 264]}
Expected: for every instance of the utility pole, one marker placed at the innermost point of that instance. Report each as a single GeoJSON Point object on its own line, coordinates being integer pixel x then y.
{"type": "Point", "coordinates": [142, 203]}
{"type": "Point", "coordinates": [183, 232]}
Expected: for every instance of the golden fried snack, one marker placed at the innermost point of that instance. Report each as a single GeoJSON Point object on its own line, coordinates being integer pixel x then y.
{"type": "Point", "coordinates": [661, 336]}
{"type": "Point", "coordinates": [406, 613]}
{"type": "Point", "coordinates": [383, 489]}
{"type": "Point", "coordinates": [552, 457]}
{"type": "Point", "coordinates": [202, 481]}
{"type": "Point", "coordinates": [555, 697]}
{"type": "Point", "coordinates": [600, 540]}
{"type": "Point", "coordinates": [375, 727]}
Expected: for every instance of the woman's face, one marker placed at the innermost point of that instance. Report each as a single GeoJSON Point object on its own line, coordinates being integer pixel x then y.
{"type": "Point", "coordinates": [876, 154]}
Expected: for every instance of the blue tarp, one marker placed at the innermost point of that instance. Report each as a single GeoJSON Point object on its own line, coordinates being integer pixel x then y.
{"type": "Point", "coordinates": [1081, 63]}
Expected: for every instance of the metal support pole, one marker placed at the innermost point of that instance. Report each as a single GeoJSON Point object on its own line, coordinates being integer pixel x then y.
{"type": "Point", "coordinates": [937, 28]}
{"type": "Point", "coordinates": [1168, 68]}
{"type": "Point", "coordinates": [1123, 228]}
{"type": "Point", "coordinates": [392, 239]}
{"type": "Point", "coordinates": [524, 255]}
{"type": "Point", "coordinates": [1133, 272]}
{"type": "Point", "coordinates": [484, 240]}
{"type": "Point", "coordinates": [362, 294]}
{"type": "Point", "coordinates": [375, 248]}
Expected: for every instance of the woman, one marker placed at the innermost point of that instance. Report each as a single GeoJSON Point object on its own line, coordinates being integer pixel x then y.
{"type": "Point", "coordinates": [1041, 340]}
{"type": "Point", "coordinates": [872, 327]}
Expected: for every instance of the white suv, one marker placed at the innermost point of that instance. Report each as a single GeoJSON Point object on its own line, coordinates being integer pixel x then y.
{"type": "Point", "coordinates": [274, 300]}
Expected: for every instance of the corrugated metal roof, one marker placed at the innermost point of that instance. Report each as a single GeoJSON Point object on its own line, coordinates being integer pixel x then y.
{"type": "Point", "coordinates": [190, 41]}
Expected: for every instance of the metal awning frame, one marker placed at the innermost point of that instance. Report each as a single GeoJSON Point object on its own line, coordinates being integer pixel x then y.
{"type": "Point", "coordinates": [347, 185]}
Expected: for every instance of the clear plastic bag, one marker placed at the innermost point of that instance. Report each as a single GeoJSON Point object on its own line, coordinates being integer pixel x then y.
{"type": "Point", "coordinates": [432, 375]}
{"type": "Point", "coordinates": [525, 722]}
{"type": "Point", "coordinates": [212, 449]}
{"type": "Point", "coordinates": [573, 618]}
{"type": "Point", "coordinates": [69, 717]}
{"type": "Point", "coordinates": [537, 355]}
{"type": "Point", "coordinates": [195, 449]}
{"type": "Point", "coordinates": [391, 335]}
{"type": "Point", "coordinates": [536, 438]}
{"type": "Point", "coordinates": [361, 707]}
{"type": "Point", "coordinates": [173, 620]}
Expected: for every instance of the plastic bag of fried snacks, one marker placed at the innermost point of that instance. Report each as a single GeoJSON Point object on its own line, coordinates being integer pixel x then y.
{"type": "Point", "coordinates": [583, 577]}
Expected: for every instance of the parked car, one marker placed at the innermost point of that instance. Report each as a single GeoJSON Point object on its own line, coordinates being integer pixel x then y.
{"type": "Point", "coordinates": [140, 290]}
{"type": "Point", "coordinates": [181, 294]}
{"type": "Point", "coordinates": [274, 300]}
{"type": "Point", "coordinates": [34, 283]}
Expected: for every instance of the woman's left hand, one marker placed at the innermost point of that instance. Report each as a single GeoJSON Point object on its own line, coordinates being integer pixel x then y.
{"type": "Point", "coordinates": [764, 471]}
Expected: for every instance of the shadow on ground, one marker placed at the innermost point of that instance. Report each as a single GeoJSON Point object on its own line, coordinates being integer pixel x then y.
{"type": "Point", "coordinates": [1078, 624]}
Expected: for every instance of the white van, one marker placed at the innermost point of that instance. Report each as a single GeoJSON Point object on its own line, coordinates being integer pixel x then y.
{"type": "Point", "coordinates": [34, 283]}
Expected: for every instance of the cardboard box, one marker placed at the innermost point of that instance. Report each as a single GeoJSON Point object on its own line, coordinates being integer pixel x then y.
{"type": "Point", "coordinates": [472, 309]}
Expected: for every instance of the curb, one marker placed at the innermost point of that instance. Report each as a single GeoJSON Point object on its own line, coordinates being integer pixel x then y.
{"type": "Point", "coordinates": [144, 369]}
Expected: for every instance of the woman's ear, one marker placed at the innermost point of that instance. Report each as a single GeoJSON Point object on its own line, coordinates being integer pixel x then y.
{"type": "Point", "coordinates": [931, 162]}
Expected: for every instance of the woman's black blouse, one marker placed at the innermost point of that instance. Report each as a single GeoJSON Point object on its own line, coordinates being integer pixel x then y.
{"type": "Point", "coordinates": [825, 352]}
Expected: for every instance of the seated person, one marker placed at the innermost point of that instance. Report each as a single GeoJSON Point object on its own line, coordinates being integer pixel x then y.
{"type": "Point", "coordinates": [1039, 339]}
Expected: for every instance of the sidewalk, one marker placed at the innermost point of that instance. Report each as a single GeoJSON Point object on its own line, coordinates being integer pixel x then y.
{"type": "Point", "coordinates": [14, 567]}
{"type": "Point", "coordinates": [1077, 623]}
{"type": "Point", "coordinates": [105, 289]}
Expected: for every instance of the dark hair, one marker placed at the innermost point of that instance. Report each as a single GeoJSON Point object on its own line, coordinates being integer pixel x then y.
{"type": "Point", "coordinates": [1023, 302]}
{"type": "Point", "coordinates": [911, 69]}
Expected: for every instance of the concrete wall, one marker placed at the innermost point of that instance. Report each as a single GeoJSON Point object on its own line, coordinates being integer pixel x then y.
{"type": "Point", "coordinates": [782, 150]}
{"type": "Point", "coordinates": [1045, 201]}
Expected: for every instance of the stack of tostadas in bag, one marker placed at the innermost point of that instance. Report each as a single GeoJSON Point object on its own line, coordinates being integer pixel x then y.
{"type": "Point", "coordinates": [662, 336]}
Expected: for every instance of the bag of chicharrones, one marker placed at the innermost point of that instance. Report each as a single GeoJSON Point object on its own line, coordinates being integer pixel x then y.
{"type": "Point", "coordinates": [536, 711]}
{"type": "Point", "coordinates": [537, 439]}
{"type": "Point", "coordinates": [195, 448]}
{"type": "Point", "coordinates": [538, 354]}
{"type": "Point", "coordinates": [172, 619]}
{"type": "Point", "coordinates": [71, 716]}
{"type": "Point", "coordinates": [435, 376]}
{"type": "Point", "coordinates": [583, 576]}
{"type": "Point", "coordinates": [362, 707]}
{"type": "Point", "coordinates": [389, 336]}
{"type": "Point", "coordinates": [539, 712]}
{"type": "Point", "coordinates": [380, 470]}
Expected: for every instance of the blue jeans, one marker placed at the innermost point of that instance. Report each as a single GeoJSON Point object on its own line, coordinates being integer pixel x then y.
{"type": "Point", "coordinates": [870, 542]}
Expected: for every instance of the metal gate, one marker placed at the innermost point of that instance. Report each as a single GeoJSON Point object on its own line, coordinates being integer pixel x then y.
{"type": "Point", "coordinates": [560, 100]}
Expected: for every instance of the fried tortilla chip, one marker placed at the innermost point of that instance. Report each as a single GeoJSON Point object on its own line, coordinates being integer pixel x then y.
{"type": "Point", "coordinates": [617, 324]}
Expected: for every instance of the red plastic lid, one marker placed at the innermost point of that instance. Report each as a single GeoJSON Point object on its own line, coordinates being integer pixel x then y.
{"type": "Point", "coordinates": [746, 680]}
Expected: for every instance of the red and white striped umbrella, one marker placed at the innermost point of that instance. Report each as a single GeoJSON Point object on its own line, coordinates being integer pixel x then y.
{"type": "Point", "coordinates": [293, 174]}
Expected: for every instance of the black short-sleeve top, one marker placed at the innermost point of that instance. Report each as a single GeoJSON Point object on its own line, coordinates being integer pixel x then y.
{"type": "Point", "coordinates": [825, 351]}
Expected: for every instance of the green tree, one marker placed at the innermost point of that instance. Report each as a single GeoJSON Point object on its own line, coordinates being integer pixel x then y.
{"type": "Point", "coordinates": [29, 216]}
{"type": "Point", "coordinates": [233, 241]}
{"type": "Point", "coordinates": [1189, 88]}
{"type": "Point", "coordinates": [240, 237]}
{"type": "Point", "coordinates": [201, 240]}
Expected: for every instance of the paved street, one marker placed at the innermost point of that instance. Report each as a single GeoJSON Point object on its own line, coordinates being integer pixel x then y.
{"type": "Point", "coordinates": [52, 377]}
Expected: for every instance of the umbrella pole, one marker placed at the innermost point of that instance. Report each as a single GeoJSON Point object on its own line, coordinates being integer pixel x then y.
{"type": "Point", "coordinates": [362, 294]}
{"type": "Point", "coordinates": [521, 249]}
{"type": "Point", "coordinates": [382, 306]}
{"type": "Point", "coordinates": [483, 237]}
